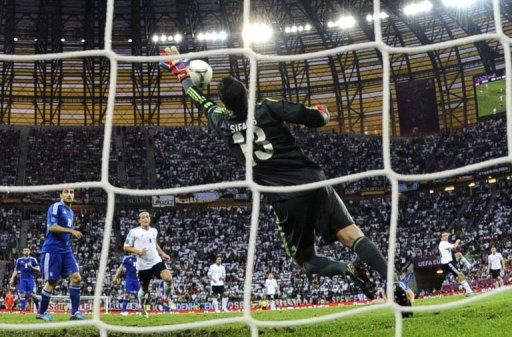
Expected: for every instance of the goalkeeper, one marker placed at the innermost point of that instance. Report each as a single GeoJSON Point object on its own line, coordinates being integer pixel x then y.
{"type": "Point", "coordinates": [278, 161]}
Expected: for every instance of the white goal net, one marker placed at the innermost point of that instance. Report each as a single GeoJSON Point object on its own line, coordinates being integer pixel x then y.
{"type": "Point", "coordinates": [256, 189]}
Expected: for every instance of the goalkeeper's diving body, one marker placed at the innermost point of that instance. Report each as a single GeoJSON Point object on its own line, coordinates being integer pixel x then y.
{"type": "Point", "coordinates": [278, 161]}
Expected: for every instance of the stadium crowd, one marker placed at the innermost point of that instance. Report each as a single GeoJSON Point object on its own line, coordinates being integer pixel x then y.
{"type": "Point", "coordinates": [195, 155]}
{"type": "Point", "coordinates": [194, 235]}
{"type": "Point", "coordinates": [57, 155]}
{"type": "Point", "coordinates": [9, 150]}
{"type": "Point", "coordinates": [9, 232]}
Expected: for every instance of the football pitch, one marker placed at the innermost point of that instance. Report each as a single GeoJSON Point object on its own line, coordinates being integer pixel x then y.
{"type": "Point", "coordinates": [488, 317]}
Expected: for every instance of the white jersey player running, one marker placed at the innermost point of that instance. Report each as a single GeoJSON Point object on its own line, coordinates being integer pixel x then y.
{"type": "Point", "coordinates": [271, 290]}
{"type": "Point", "coordinates": [217, 275]}
{"type": "Point", "coordinates": [494, 266]}
{"type": "Point", "coordinates": [142, 242]}
{"type": "Point", "coordinates": [445, 249]}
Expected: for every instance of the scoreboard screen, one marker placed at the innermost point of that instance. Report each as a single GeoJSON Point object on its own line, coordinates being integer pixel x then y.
{"type": "Point", "coordinates": [489, 94]}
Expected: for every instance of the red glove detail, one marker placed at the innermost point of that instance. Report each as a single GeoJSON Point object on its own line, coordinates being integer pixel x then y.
{"type": "Point", "coordinates": [179, 69]}
{"type": "Point", "coordinates": [324, 111]}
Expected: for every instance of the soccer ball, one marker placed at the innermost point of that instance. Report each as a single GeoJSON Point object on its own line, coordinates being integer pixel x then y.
{"type": "Point", "coordinates": [200, 73]}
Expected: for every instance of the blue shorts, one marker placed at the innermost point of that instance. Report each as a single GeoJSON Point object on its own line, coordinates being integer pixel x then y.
{"type": "Point", "coordinates": [131, 286]}
{"type": "Point", "coordinates": [58, 265]}
{"type": "Point", "coordinates": [27, 286]}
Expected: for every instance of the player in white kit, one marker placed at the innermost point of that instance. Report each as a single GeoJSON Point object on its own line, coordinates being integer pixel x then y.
{"type": "Point", "coordinates": [271, 290]}
{"type": "Point", "coordinates": [142, 242]}
{"type": "Point", "coordinates": [217, 275]}
{"type": "Point", "coordinates": [494, 266]}
{"type": "Point", "coordinates": [445, 249]}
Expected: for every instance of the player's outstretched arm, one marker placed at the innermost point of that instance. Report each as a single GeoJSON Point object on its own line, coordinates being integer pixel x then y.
{"type": "Point", "coordinates": [179, 70]}
{"type": "Point", "coordinates": [298, 113]}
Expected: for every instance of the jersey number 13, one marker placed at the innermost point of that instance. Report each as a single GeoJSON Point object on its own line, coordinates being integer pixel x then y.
{"type": "Point", "coordinates": [265, 149]}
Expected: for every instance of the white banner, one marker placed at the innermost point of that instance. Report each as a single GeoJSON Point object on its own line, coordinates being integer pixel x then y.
{"type": "Point", "coordinates": [162, 200]}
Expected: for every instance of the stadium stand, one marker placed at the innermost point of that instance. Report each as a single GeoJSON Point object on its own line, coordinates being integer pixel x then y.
{"type": "Point", "coordinates": [195, 234]}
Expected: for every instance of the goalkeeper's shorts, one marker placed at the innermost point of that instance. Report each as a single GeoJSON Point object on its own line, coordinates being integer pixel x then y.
{"type": "Point", "coordinates": [319, 213]}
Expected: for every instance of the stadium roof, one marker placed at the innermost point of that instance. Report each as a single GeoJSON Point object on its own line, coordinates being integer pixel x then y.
{"type": "Point", "coordinates": [74, 92]}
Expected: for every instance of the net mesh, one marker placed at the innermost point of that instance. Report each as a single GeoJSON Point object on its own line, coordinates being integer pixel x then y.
{"type": "Point", "coordinates": [256, 189]}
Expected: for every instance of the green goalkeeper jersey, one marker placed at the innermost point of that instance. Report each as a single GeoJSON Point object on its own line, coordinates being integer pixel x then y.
{"type": "Point", "coordinates": [277, 160]}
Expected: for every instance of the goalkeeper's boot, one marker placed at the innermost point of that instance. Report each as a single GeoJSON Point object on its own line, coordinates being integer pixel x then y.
{"type": "Point", "coordinates": [78, 316]}
{"type": "Point", "coordinates": [401, 298]}
{"type": "Point", "coordinates": [46, 316]}
{"type": "Point", "coordinates": [357, 274]}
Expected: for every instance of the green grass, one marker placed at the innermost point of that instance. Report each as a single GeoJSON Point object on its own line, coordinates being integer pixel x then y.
{"type": "Point", "coordinates": [489, 98]}
{"type": "Point", "coordinates": [488, 317]}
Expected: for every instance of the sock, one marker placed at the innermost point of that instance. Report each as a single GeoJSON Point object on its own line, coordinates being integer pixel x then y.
{"type": "Point", "coordinates": [465, 262]}
{"type": "Point", "coordinates": [36, 302]}
{"type": "Point", "coordinates": [74, 295]}
{"type": "Point", "coordinates": [272, 305]}
{"type": "Point", "coordinates": [466, 286]}
{"type": "Point", "coordinates": [215, 304]}
{"type": "Point", "coordinates": [23, 304]}
{"type": "Point", "coordinates": [324, 266]}
{"type": "Point", "coordinates": [45, 301]}
{"type": "Point", "coordinates": [225, 304]}
{"type": "Point", "coordinates": [125, 305]}
{"type": "Point", "coordinates": [141, 295]}
{"type": "Point", "coordinates": [166, 308]}
{"type": "Point", "coordinates": [368, 253]}
{"type": "Point", "coordinates": [168, 290]}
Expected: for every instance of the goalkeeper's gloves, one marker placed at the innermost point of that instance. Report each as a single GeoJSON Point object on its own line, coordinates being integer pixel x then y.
{"type": "Point", "coordinates": [324, 111]}
{"type": "Point", "coordinates": [177, 67]}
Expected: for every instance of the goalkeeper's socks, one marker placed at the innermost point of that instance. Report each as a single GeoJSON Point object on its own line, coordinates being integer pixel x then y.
{"type": "Point", "coordinates": [74, 295]}
{"type": "Point", "coordinates": [324, 266]}
{"type": "Point", "coordinates": [125, 305]}
{"type": "Point", "coordinates": [23, 304]}
{"type": "Point", "coordinates": [370, 254]}
{"type": "Point", "coordinates": [45, 301]}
